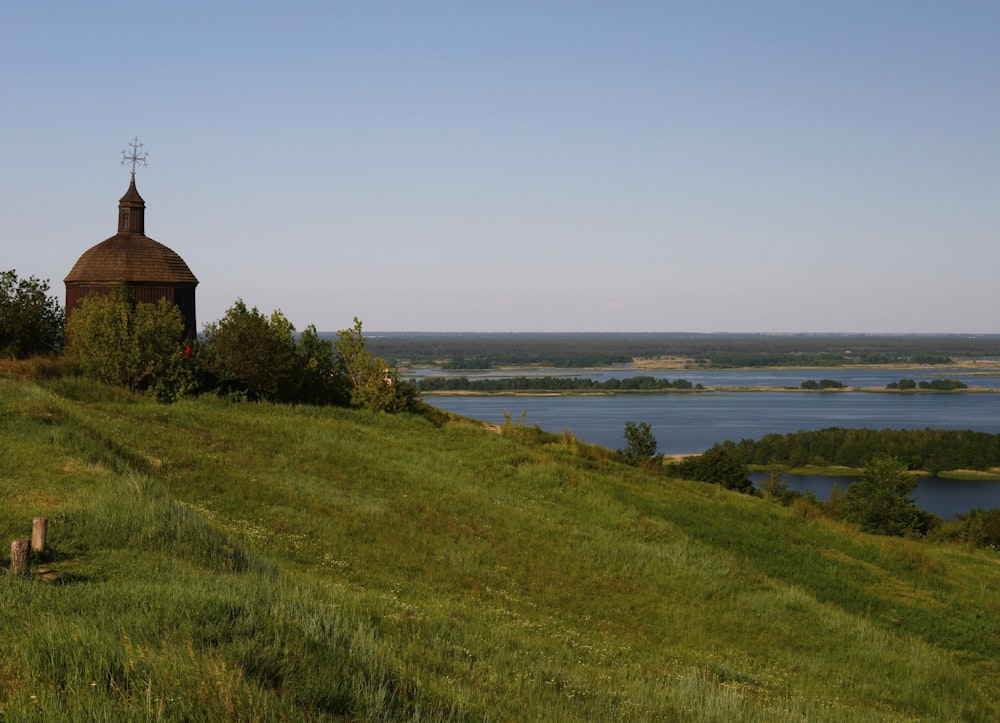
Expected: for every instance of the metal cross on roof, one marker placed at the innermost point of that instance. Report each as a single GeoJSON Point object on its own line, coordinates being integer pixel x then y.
{"type": "Point", "coordinates": [135, 156]}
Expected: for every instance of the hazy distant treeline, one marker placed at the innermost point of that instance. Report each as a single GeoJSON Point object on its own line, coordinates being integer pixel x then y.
{"type": "Point", "coordinates": [486, 351]}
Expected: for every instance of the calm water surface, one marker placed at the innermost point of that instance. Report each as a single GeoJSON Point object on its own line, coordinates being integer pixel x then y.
{"type": "Point", "coordinates": [691, 423]}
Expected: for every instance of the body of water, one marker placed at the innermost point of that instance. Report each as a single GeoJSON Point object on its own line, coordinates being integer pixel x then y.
{"type": "Point", "coordinates": [692, 422]}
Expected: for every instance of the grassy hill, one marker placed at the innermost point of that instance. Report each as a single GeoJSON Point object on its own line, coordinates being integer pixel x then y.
{"type": "Point", "coordinates": [209, 561]}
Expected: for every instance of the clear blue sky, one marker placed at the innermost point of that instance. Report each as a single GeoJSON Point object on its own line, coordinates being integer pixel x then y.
{"type": "Point", "coordinates": [523, 166]}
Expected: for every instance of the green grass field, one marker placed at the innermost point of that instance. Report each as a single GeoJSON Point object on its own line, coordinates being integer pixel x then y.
{"type": "Point", "coordinates": [210, 561]}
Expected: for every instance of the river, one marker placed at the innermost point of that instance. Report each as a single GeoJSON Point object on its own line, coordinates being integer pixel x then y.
{"type": "Point", "coordinates": [687, 423]}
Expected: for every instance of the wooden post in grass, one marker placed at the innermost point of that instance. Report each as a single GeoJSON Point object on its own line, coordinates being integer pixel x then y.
{"type": "Point", "coordinates": [19, 556]}
{"type": "Point", "coordinates": [39, 527]}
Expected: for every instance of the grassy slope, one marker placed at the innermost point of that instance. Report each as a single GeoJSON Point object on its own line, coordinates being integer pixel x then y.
{"type": "Point", "coordinates": [262, 561]}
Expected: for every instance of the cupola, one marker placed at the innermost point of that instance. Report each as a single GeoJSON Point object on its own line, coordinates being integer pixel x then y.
{"type": "Point", "coordinates": [150, 270]}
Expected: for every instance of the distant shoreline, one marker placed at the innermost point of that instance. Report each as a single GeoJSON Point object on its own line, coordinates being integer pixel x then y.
{"type": "Point", "coordinates": [991, 367]}
{"type": "Point", "coordinates": [981, 369]}
{"type": "Point", "coordinates": [703, 390]}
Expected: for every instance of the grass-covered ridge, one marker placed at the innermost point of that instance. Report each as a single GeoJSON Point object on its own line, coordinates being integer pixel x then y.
{"type": "Point", "coordinates": [266, 562]}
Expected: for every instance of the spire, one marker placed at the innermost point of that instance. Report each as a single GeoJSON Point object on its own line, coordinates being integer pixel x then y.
{"type": "Point", "coordinates": [132, 211]}
{"type": "Point", "coordinates": [131, 207]}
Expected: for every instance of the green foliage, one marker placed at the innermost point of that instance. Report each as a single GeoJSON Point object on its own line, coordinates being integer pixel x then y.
{"type": "Point", "coordinates": [834, 507]}
{"type": "Point", "coordinates": [118, 340]}
{"type": "Point", "coordinates": [933, 450]}
{"type": "Point", "coordinates": [462, 363]}
{"type": "Point", "coordinates": [31, 321]}
{"type": "Point", "coordinates": [250, 353]}
{"type": "Point", "coordinates": [372, 384]}
{"type": "Point", "coordinates": [182, 375]}
{"type": "Point", "coordinates": [943, 385]}
{"type": "Point", "coordinates": [245, 355]}
{"type": "Point", "coordinates": [319, 382]}
{"type": "Point", "coordinates": [936, 385]}
{"type": "Point", "coordinates": [822, 384]}
{"type": "Point", "coordinates": [880, 500]}
{"type": "Point", "coordinates": [258, 357]}
{"type": "Point", "coordinates": [640, 444]}
{"type": "Point", "coordinates": [980, 528]}
{"type": "Point", "coordinates": [720, 465]}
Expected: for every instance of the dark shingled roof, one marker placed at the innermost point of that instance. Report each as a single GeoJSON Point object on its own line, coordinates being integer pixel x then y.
{"type": "Point", "coordinates": [130, 257]}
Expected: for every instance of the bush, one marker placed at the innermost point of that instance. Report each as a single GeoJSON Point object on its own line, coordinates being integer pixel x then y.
{"type": "Point", "coordinates": [118, 340]}
{"type": "Point", "coordinates": [182, 375]}
{"type": "Point", "coordinates": [252, 356]}
{"type": "Point", "coordinates": [640, 445]}
{"type": "Point", "coordinates": [250, 353]}
{"type": "Point", "coordinates": [371, 383]}
{"type": "Point", "coordinates": [316, 367]}
{"type": "Point", "coordinates": [721, 464]}
{"type": "Point", "coordinates": [31, 322]}
{"type": "Point", "coordinates": [879, 501]}
{"type": "Point", "coordinates": [980, 528]}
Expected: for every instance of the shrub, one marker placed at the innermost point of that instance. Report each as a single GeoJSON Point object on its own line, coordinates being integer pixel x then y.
{"type": "Point", "coordinates": [722, 464]}
{"type": "Point", "coordinates": [248, 352]}
{"type": "Point", "coordinates": [316, 368]}
{"type": "Point", "coordinates": [879, 501]}
{"type": "Point", "coordinates": [640, 444]}
{"type": "Point", "coordinates": [371, 383]}
{"type": "Point", "coordinates": [182, 375]}
{"type": "Point", "coordinates": [31, 322]}
{"type": "Point", "coordinates": [118, 340]}
{"type": "Point", "coordinates": [980, 528]}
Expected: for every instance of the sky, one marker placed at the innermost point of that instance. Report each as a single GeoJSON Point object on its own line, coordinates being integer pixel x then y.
{"type": "Point", "coordinates": [770, 166]}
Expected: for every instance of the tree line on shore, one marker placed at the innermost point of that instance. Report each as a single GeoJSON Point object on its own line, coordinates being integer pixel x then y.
{"type": "Point", "coordinates": [641, 383]}
{"type": "Point", "coordinates": [933, 450]}
{"type": "Point", "coordinates": [936, 385]}
{"type": "Point", "coordinates": [467, 351]}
